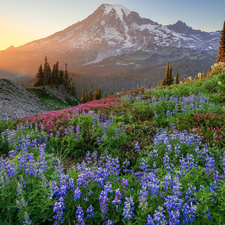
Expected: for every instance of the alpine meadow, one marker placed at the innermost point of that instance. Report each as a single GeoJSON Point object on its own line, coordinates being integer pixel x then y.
{"type": "Point", "coordinates": [144, 146]}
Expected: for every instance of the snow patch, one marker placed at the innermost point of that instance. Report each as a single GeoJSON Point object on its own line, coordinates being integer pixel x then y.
{"type": "Point", "coordinates": [119, 10]}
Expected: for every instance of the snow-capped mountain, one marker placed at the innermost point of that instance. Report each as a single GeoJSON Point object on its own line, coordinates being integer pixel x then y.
{"type": "Point", "coordinates": [112, 30]}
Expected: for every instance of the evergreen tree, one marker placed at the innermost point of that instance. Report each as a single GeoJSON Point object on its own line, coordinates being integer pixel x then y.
{"type": "Point", "coordinates": [221, 51]}
{"type": "Point", "coordinates": [98, 94]}
{"type": "Point", "coordinates": [177, 78]}
{"type": "Point", "coordinates": [84, 97]}
{"type": "Point", "coordinates": [167, 75]}
{"type": "Point", "coordinates": [40, 77]}
{"type": "Point", "coordinates": [47, 72]}
{"type": "Point", "coordinates": [55, 74]}
{"type": "Point", "coordinates": [61, 77]}
{"type": "Point", "coordinates": [74, 90]}
{"type": "Point", "coordinates": [106, 94]}
{"type": "Point", "coordinates": [161, 84]}
{"type": "Point", "coordinates": [170, 78]}
{"type": "Point", "coordinates": [66, 77]}
{"type": "Point", "coordinates": [90, 95]}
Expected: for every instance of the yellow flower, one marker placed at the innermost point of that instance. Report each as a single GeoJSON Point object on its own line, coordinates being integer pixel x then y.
{"type": "Point", "coordinates": [216, 65]}
{"type": "Point", "coordinates": [219, 82]}
{"type": "Point", "coordinates": [221, 64]}
{"type": "Point", "coordinates": [199, 75]}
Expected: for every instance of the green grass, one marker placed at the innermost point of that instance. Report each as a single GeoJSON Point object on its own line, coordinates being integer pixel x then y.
{"type": "Point", "coordinates": [46, 99]}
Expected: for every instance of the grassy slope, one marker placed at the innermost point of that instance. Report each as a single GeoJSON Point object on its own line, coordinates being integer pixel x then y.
{"type": "Point", "coordinates": [142, 119]}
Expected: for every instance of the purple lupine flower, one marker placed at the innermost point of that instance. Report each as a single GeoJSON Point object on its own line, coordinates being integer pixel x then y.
{"type": "Point", "coordinates": [128, 208]}
{"type": "Point", "coordinates": [78, 130]}
{"type": "Point", "coordinates": [150, 221]}
{"type": "Point", "coordinates": [143, 204]}
{"type": "Point", "coordinates": [76, 194]}
{"type": "Point", "coordinates": [108, 187]}
{"type": "Point", "coordinates": [90, 212]}
{"type": "Point", "coordinates": [98, 140]}
{"type": "Point", "coordinates": [27, 219]}
{"type": "Point", "coordinates": [123, 127]}
{"type": "Point", "coordinates": [159, 217]}
{"type": "Point", "coordinates": [124, 182]}
{"type": "Point", "coordinates": [38, 140]}
{"type": "Point", "coordinates": [80, 215]}
{"type": "Point", "coordinates": [173, 205]}
{"type": "Point", "coordinates": [109, 222]}
{"type": "Point", "coordinates": [58, 209]}
{"type": "Point", "coordinates": [103, 199]}
{"type": "Point", "coordinates": [210, 165]}
{"type": "Point", "coordinates": [116, 133]}
{"type": "Point", "coordinates": [136, 147]}
{"type": "Point", "coordinates": [117, 201]}
{"type": "Point", "coordinates": [12, 154]}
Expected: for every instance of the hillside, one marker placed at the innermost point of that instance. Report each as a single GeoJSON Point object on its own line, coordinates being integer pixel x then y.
{"type": "Point", "coordinates": [130, 78]}
{"type": "Point", "coordinates": [144, 156]}
{"type": "Point", "coordinates": [109, 32]}
{"type": "Point", "coordinates": [16, 101]}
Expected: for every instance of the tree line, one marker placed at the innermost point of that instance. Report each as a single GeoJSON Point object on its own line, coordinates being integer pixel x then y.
{"type": "Point", "coordinates": [56, 76]}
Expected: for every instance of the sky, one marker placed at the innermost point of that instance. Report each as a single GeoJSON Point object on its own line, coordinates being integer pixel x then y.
{"type": "Point", "coordinates": [22, 21]}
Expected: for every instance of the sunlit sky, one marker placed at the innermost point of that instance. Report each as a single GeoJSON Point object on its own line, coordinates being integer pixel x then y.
{"type": "Point", "coordinates": [22, 21]}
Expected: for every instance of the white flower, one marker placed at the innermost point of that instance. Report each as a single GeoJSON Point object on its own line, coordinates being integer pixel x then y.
{"type": "Point", "coordinates": [221, 64]}
{"type": "Point", "coordinates": [219, 82]}
{"type": "Point", "coordinates": [212, 67]}
{"type": "Point", "coordinates": [199, 75]}
{"type": "Point", "coordinates": [216, 65]}
{"type": "Point", "coordinates": [180, 82]}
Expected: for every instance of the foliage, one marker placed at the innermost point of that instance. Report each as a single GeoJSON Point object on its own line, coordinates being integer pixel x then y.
{"type": "Point", "coordinates": [221, 51]}
{"type": "Point", "coordinates": [146, 156]}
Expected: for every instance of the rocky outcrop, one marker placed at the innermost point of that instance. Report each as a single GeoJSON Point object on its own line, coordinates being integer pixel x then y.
{"type": "Point", "coordinates": [16, 101]}
{"type": "Point", "coordinates": [59, 92]}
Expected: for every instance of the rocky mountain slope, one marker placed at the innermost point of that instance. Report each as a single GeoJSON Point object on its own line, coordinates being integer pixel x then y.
{"type": "Point", "coordinates": [16, 101]}
{"type": "Point", "coordinates": [109, 31]}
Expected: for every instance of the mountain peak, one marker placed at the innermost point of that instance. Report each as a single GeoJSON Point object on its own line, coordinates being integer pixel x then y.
{"type": "Point", "coordinates": [180, 23]}
{"type": "Point", "coordinates": [119, 9]}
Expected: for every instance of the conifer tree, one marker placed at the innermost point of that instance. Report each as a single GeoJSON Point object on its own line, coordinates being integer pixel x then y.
{"type": "Point", "coordinates": [61, 77]}
{"type": "Point", "coordinates": [177, 78]}
{"type": "Point", "coordinates": [84, 97]}
{"type": "Point", "coordinates": [98, 94]}
{"type": "Point", "coordinates": [47, 72]}
{"type": "Point", "coordinates": [90, 95]}
{"type": "Point", "coordinates": [74, 90]}
{"type": "Point", "coordinates": [170, 77]}
{"type": "Point", "coordinates": [166, 79]}
{"type": "Point", "coordinates": [221, 51]}
{"type": "Point", "coordinates": [40, 77]}
{"type": "Point", "coordinates": [66, 77]}
{"type": "Point", "coordinates": [55, 73]}
{"type": "Point", "coordinates": [161, 84]}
